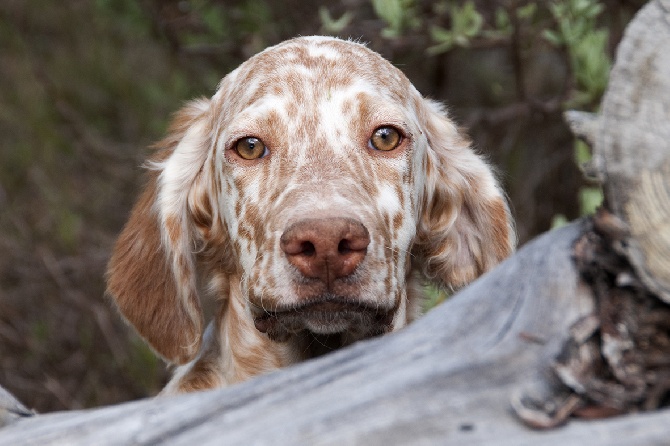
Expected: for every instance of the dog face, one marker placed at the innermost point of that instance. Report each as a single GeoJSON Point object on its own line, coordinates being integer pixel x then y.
{"type": "Point", "coordinates": [325, 205]}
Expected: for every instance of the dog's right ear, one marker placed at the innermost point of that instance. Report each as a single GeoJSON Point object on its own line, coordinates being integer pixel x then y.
{"type": "Point", "coordinates": [466, 227]}
{"type": "Point", "coordinates": [151, 275]}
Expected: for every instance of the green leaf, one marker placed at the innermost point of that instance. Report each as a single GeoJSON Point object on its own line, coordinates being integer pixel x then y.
{"type": "Point", "coordinates": [390, 33]}
{"type": "Point", "coordinates": [502, 21]}
{"type": "Point", "coordinates": [594, 10]}
{"type": "Point", "coordinates": [440, 48]}
{"type": "Point", "coordinates": [331, 25]}
{"type": "Point", "coordinates": [466, 21]}
{"type": "Point", "coordinates": [552, 37]}
{"type": "Point", "coordinates": [398, 15]}
{"type": "Point", "coordinates": [390, 11]}
{"type": "Point", "coordinates": [591, 64]}
{"type": "Point", "coordinates": [590, 198]}
{"type": "Point", "coordinates": [526, 12]}
{"type": "Point", "coordinates": [582, 152]}
{"type": "Point", "coordinates": [558, 221]}
{"type": "Point", "coordinates": [434, 297]}
{"type": "Point", "coordinates": [215, 22]}
{"type": "Point", "coordinates": [439, 34]}
{"type": "Point", "coordinates": [444, 40]}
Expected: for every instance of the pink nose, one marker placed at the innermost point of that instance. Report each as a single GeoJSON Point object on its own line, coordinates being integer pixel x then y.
{"type": "Point", "coordinates": [325, 248]}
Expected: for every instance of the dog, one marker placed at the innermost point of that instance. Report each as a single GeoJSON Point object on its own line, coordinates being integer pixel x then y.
{"type": "Point", "coordinates": [311, 197]}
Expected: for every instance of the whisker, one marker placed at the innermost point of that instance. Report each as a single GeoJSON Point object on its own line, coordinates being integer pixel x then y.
{"type": "Point", "coordinates": [400, 250]}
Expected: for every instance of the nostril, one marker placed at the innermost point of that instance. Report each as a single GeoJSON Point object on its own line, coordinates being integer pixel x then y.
{"type": "Point", "coordinates": [307, 249]}
{"type": "Point", "coordinates": [344, 247]}
{"type": "Point", "coordinates": [297, 246]}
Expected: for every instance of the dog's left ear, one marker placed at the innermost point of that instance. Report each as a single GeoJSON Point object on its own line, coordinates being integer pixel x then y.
{"type": "Point", "coordinates": [152, 273]}
{"type": "Point", "coordinates": [465, 226]}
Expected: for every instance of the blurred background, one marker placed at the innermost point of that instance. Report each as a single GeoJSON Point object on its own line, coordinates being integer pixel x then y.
{"type": "Point", "coordinates": [87, 85]}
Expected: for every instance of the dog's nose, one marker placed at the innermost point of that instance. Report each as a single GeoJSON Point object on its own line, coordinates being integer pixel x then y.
{"type": "Point", "coordinates": [325, 248]}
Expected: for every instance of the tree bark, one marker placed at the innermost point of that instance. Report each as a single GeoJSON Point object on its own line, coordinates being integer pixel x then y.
{"type": "Point", "coordinates": [524, 342]}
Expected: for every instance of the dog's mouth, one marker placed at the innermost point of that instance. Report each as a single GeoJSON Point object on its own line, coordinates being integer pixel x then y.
{"type": "Point", "coordinates": [325, 315]}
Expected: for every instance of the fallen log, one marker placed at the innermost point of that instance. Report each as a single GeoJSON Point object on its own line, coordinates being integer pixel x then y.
{"type": "Point", "coordinates": [451, 377]}
{"type": "Point", "coordinates": [572, 325]}
{"type": "Point", "coordinates": [448, 376]}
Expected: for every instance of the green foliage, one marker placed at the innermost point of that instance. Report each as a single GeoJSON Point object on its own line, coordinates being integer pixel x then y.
{"type": "Point", "coordinates": [577, 31]}
{"type": "Point", "coordinates": [215, 21]}
{"type": "Point", "coordinates": [582, 153]}
{"type": "Point", "coordinates": [575, 19]}
{"type": "Point", "coordinates": [399, 15]}
{"type": "Point", "coordinates": [591, 67]}
{"type": "Point", "coordinates": [527, 12]}
{"type": "Point", "coordinates": [434, 297]}
{"type": "Point", "coordinates": [143, 365]}
{"type": "Point", "coordinates": [333, 26]}
{"type": "Point", "coordinates": [590, 197]}
{"type": "Point", "coordinates": [466, 23]}
{"type": "Point", "coordinates": [558, 221]}
{"type": "Point", "coordinates": [574, 28]}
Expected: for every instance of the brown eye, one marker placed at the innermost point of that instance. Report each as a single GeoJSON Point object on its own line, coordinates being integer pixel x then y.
{"type": "Point", "coordinates": [251, 148]}
{"type": "Point", "coordinates": [385, 139]}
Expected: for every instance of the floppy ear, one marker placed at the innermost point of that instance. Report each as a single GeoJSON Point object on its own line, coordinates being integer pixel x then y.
{"type": "Point", "coordinates": [465, 225]}
{"type": "Point", "coordinates": [151, 274]}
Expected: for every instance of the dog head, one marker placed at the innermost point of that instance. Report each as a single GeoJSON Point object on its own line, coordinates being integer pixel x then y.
{"type": "Point", "coordinates": [315, 185]}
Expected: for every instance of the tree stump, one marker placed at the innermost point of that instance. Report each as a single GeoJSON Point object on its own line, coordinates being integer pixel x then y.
{"type": "Point", "coordinates": [631, 144]}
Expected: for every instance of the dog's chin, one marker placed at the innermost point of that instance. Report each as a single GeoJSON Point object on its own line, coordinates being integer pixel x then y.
{"type": "Point", "coordinates": [325, 315]}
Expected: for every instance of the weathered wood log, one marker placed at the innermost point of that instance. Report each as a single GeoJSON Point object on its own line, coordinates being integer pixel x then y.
{"type": "Point", "coordinates": [11, 409]}
{"type": "Point", "coordinates": [631, 143]}
{"type": "Point", "coordinates": [448, 378]}
{"type": "Point", "coordinates": [450, 375]}
{"type": "Point", "coordinates": [498, 350]}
